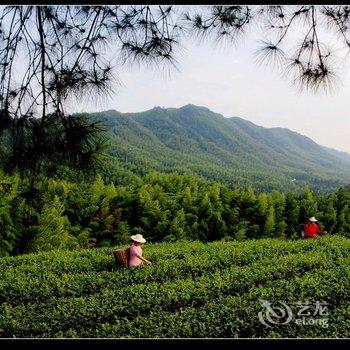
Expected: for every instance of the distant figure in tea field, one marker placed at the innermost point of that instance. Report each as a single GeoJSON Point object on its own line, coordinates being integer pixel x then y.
{"type": "Point", "coordinates": [136, 257]}
{"type": "Point", "coordinates": [312, 230]}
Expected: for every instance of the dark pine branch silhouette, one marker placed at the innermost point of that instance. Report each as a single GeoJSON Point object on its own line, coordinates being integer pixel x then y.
{"type": "Point", "coordinates": [53, 54]}
{"type": "Point", "coordinates": [310, 63]}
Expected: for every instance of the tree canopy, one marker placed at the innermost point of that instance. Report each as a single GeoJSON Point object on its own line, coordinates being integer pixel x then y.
{"type": "Point", "coordinates": [162, 207]}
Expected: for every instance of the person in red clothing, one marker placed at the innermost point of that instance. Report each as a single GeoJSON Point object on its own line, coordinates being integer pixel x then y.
{"type": "Point", "coordinates": [312, 230]}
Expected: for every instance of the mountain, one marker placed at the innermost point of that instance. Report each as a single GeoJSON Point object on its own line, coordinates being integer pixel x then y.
{"type": "Point", "coordinates": [230, 150]}
{"type": "Point", "coordinates": [339, 154]}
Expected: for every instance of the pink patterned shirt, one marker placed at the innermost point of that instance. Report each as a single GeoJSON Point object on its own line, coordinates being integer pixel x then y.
{"type": "Point", "coordinates": [134, 260]}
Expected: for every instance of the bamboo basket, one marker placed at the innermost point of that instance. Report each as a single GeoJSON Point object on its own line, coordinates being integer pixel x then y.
{"type": "Point", "coordinates": [122, 257]}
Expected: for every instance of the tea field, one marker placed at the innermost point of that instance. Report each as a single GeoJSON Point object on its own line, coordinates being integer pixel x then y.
{"type": "Point", "coordinates": [191, 290]}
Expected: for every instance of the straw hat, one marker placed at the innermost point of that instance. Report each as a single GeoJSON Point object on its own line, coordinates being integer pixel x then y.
{"type": "Point", "coordinates": [313, 219]}
{"type": "Point", "coordinates": [138, 238]}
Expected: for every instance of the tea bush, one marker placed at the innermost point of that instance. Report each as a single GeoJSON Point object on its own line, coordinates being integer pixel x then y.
{"type": "Point", "coordinates": [192, 290]}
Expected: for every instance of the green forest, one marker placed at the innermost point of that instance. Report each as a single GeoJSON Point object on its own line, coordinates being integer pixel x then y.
{"type": "Point", "coordinates": [159, 178]}
{"type": "Point", "coordinates": [62, 214]}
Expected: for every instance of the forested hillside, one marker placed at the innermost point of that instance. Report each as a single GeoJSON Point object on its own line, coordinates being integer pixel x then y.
{"type": "Point", "coordinates": [230, 150]}
{"type": "Point", "coordinates": [236, 159]}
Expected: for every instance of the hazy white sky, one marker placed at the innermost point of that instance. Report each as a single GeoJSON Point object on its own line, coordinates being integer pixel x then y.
{"type": "Point", "coordinates": [228, 81]}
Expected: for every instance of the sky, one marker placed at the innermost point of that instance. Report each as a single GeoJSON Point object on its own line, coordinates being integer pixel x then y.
{"type": "Point", "coordinates": [228, 81]}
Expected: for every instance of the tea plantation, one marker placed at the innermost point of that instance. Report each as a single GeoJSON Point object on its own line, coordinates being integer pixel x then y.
{"type": "Point", "coordinates": [191, 290]}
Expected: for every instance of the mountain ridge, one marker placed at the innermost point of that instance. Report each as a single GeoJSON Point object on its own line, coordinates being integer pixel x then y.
{"type": "Point", "coordinates": [232, 150]}
{"type": "Point", "coordinates": [331, 149]}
